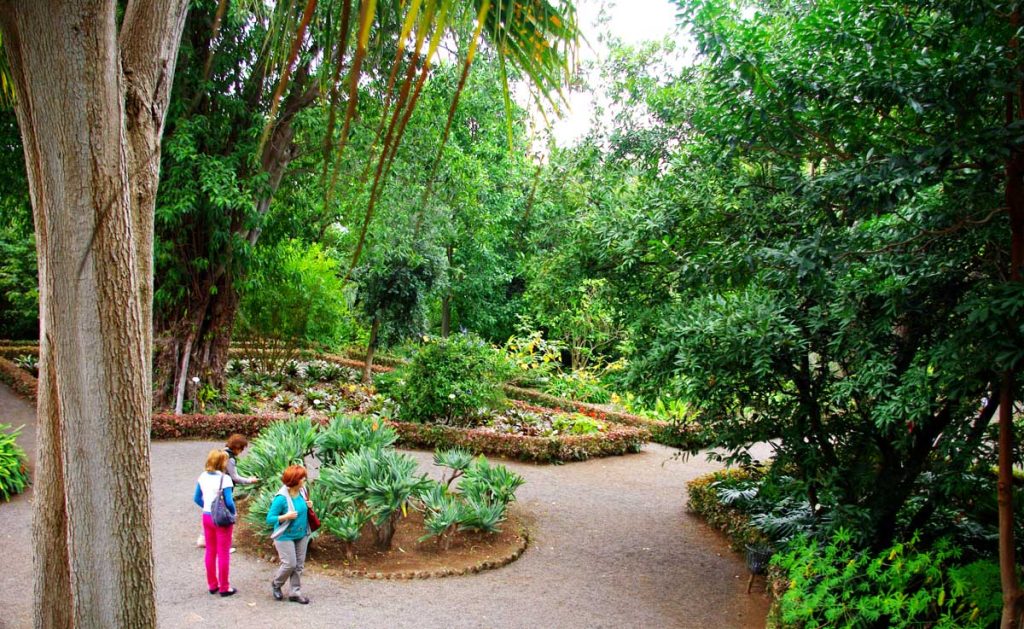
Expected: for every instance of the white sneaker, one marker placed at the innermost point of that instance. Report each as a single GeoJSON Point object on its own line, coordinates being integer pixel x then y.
{"type": "Point", "coordinates": [232, 549]}
{"type": "Point", "coordinates": [201, 542]}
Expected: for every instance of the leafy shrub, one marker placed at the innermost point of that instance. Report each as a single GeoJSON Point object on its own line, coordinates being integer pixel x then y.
{"type": "Point", "coordinates": [533, 358]}
{"type": "Point", "coordinates": [451, 381]}
{"type": "Point", "coordinates": [578, 424]}
{"type": "Point", "coordinates": [296, 295]}
{"type": "Point", "coordinates": [836, 584]}
{"type": "Point", "coordinates": [13, 471]}
{"type": "Point", "coordinates": [582, 385]}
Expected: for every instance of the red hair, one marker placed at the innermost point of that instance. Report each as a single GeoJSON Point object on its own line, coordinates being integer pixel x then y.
{"type": "Point", "coordinates": [292, 475]}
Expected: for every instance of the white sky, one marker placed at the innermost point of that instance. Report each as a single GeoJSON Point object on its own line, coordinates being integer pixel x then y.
{"type": "Point", "coordinates": [632, 21]}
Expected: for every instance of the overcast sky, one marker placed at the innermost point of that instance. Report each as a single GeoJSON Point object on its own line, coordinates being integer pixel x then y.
{"type": "Point", "coordinates": [632, 21]}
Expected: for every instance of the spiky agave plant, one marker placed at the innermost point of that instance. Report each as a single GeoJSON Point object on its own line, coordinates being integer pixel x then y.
{"type": "Point", "coordinates": [279, 445]}
{"type": "Point", "coordinates": [348, 433]}
{"type": "Point", "coordinates": [347, 527]}
{"type": "Point", "coordinates": [478, 513]}
{"type": "Point", "coordinates": [494, 483]}
{"type": "Point", "coordinates": [456, 459]}
{"type": "Point", "coordinates": [442, 512]}
{"type": "Point", "coordinates": [382, 481]}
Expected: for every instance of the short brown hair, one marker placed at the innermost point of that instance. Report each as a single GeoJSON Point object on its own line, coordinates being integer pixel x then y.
{"type": "Point", "coordinates": [292, 475]}
{"type": "Point", "coordinates": [237, 443]}
{"type": "Point", "coordinates": [216, 461]}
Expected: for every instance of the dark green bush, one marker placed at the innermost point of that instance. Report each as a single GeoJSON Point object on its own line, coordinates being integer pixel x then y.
{"type": "Point", "coordinates": [452, 381]}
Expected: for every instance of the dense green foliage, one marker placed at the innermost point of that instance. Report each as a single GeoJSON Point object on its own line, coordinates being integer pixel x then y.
{"type": "Point", "coordinates": [13, 473]}
{"type": "Point", "coordinates": [836, 584]}
{"type": "Point", "coordinates": [452, 381]}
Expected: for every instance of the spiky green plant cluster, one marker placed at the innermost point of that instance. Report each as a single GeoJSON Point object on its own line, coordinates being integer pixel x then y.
{"type": "Point", "coordinates": [279, 445]}
{"type": "Point", "coordinates": [481, 502]}
{"type": "Point", "coordinates": [347, 433]}
{"type": "Point", "coordinates": [364, 480]}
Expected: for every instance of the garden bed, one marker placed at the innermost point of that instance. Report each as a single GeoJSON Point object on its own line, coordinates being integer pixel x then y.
{"type": "Point", "coordinates": [467, 552]}
{"type": "Point", "coordinates": [616, 440]}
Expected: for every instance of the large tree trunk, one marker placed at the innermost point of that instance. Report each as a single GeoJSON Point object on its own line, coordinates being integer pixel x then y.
{"type": "Point", "coordinates": [90, 107]}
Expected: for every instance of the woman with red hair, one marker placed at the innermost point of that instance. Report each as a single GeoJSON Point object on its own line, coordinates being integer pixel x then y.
{"type": "Point", "coordinates": [289, 516]}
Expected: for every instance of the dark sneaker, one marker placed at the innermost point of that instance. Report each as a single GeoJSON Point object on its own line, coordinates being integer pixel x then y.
{"type": "Point", "coordinates": [300, 599]}
{"type": "Point", "coordinates": [230, 592]}
{"type": "Point", "coordinates": [276, 591]}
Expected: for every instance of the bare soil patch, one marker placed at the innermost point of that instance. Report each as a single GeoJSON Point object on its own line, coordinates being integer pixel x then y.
{"type": "Point", "coordinates": [463, 552]}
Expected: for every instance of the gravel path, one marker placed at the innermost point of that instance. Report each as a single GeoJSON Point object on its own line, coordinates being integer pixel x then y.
{"type": "Point", "coordinates": [611, 546]}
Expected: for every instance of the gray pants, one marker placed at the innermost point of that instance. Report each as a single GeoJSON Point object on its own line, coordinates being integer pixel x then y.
{"type": "Point", "coordinates": [293, 556]}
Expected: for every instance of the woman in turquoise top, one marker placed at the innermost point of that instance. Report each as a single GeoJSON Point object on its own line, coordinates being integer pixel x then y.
{"type": "Point", "coordinates": [289, 516]}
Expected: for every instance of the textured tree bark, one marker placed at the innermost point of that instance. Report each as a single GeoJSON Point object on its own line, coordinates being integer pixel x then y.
{"type": "Point", "coordinates": [90, 107]}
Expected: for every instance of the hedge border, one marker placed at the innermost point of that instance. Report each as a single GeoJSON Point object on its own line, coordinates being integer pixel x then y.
{"type": "Point", "coordinates": [18, 379]}
{"type": "Point", "coordinates": [702, 501]}
{"type": "Point", "coordinates": [11, 351]}
{"type": "Point", "coordinates": [683, 436]}
{"type": "Point", "coordinates": [619, 439]}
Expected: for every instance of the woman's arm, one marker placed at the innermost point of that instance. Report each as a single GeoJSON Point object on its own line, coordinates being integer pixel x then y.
{"type": "Point", "coordinates": [233, 472]}
{"type": "Point", "coordinates": [277, 508]}
{"type": "Point", "coordinates": [197, 497]}
{"type": "Point", "coordinates": [229, 499]}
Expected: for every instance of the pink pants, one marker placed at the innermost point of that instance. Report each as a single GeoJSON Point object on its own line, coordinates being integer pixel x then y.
{"type": "Point", "coordinates": [218, 554]}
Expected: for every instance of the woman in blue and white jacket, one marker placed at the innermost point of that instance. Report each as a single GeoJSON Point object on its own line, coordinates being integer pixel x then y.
{"type": "Point", "coordinates": [218, 538]}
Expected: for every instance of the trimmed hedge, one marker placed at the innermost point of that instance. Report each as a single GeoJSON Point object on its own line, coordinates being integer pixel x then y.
{"type": "Point", "coordinates": [23, 383]}
{"type": "Point", "coordinates": [683, 436]}
{"type": "Point", "coordinates": [164, 425]}
{"type": "Point", "coordinates": [219, 426]}
{"type": "Point", "coordinates": [13, 351]}
{"type": "Point", "coordinates": [384, 360]}
{"type": "Point", "coordinates": [617, 440]}
{"type": "Point", "coordinates": [703, 501]}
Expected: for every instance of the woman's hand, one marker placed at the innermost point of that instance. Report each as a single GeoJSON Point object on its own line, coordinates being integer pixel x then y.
{"type": "Point", "coordinates": [309, 503]}
{"type": "Point", "coordinates": [291, 515]}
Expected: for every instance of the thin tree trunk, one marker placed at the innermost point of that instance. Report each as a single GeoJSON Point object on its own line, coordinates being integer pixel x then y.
{"type": "Point", "coordinates": [370, 348]}
{"type": "Point", "coordinates": [1013, 596]}
{"type": "Point", "coordinates": [91, 106]}
{"type": "Point", "coordinates": [446, 301]}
